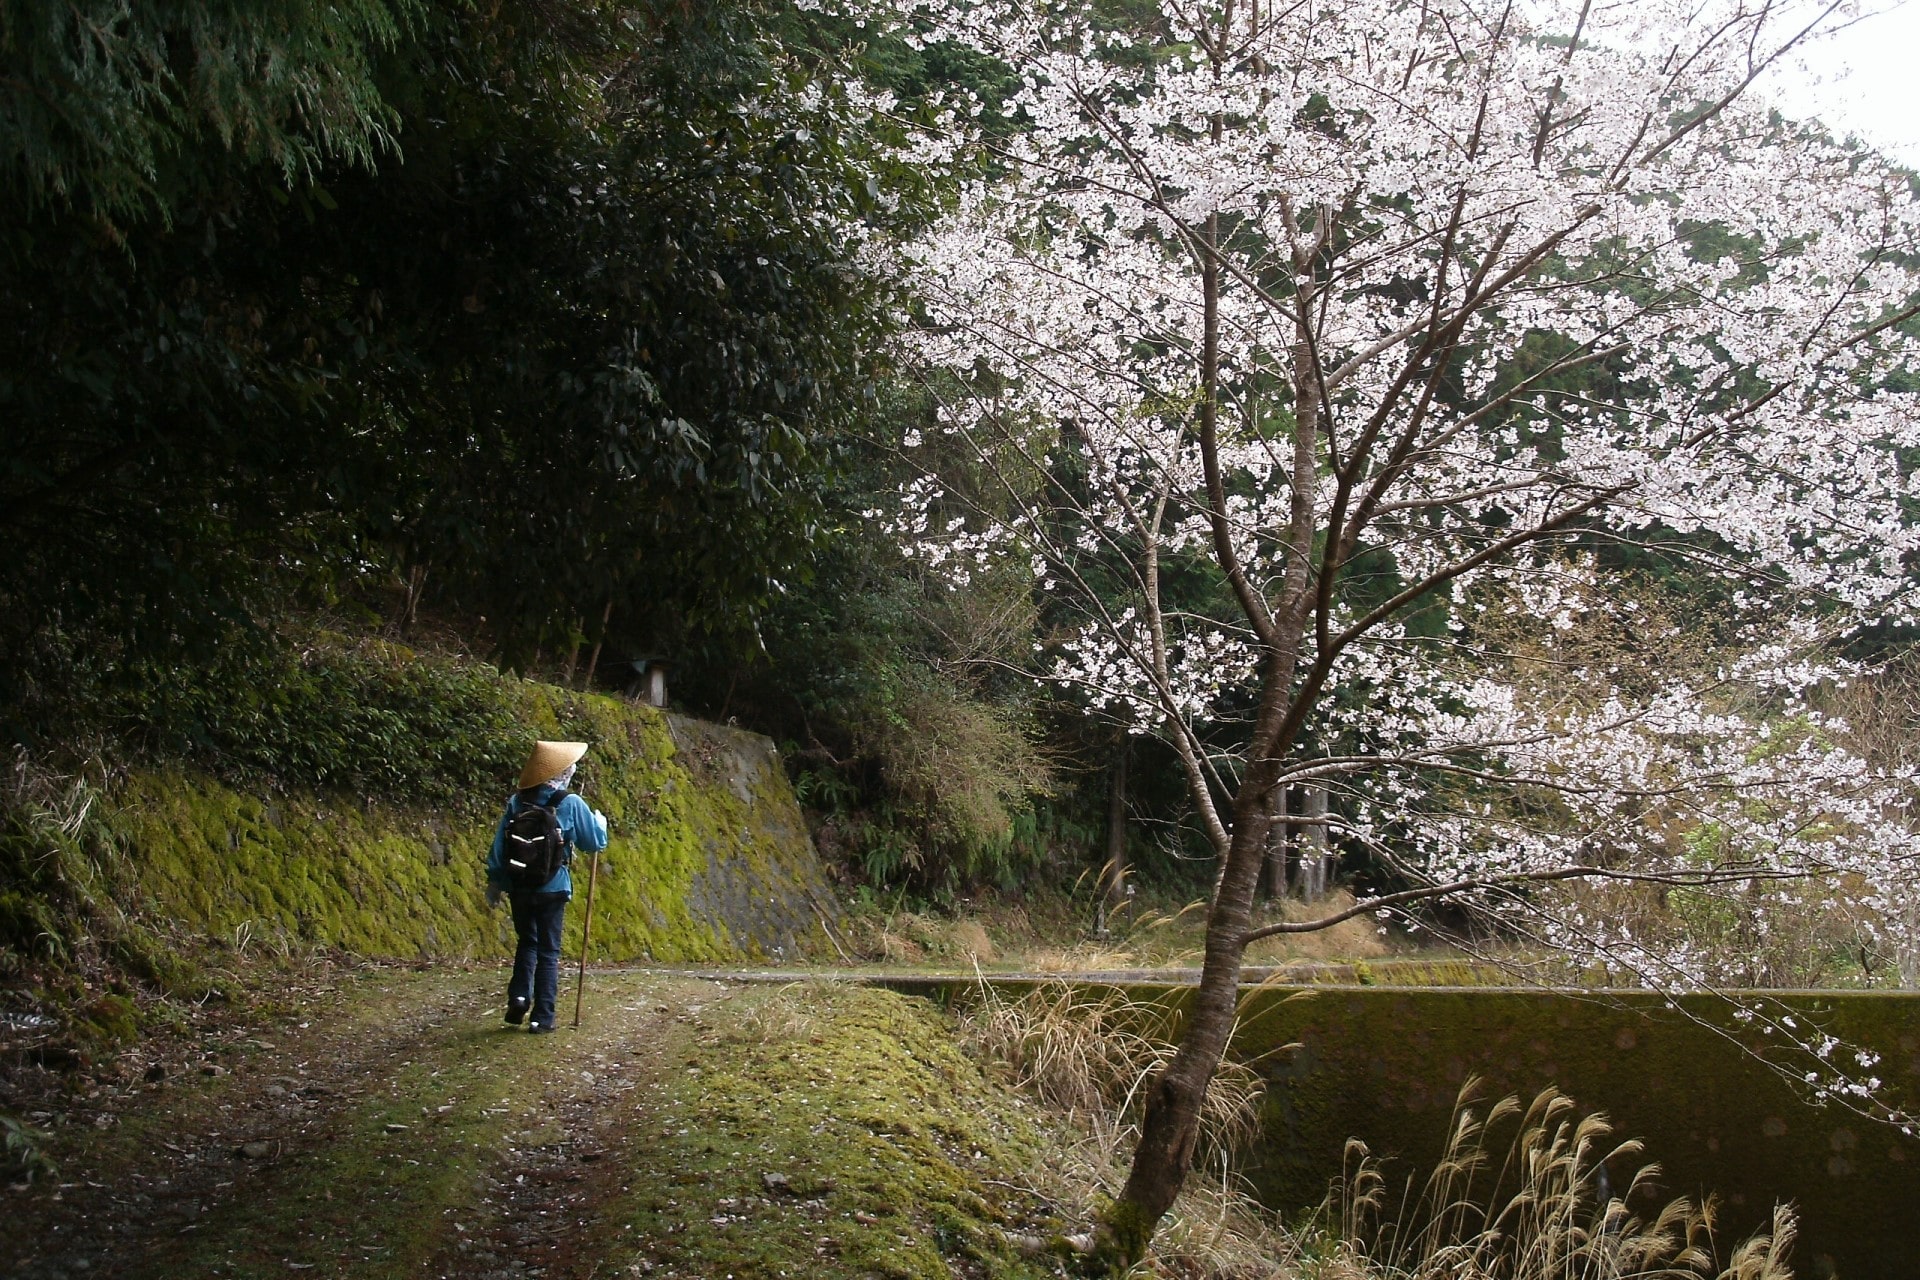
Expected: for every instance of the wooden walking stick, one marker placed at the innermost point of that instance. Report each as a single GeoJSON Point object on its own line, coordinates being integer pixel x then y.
{"type": "Point", "coordinates": [586, 935]}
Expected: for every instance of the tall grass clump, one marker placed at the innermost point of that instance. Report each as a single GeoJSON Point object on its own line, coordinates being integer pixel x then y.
{"type": "Point", "coordinates": [63, 880]}
{"type": "Point", "coordinates": [1089, 1055]}
{"type": "Point", "coordinates": [1543, 1208]}
{"type": "Point", "coordinates": [82, 967]}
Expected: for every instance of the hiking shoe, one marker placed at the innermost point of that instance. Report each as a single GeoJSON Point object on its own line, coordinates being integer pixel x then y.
{"type": "Point", "coordinates": [539, 1028]}
{"type": "Point", "coordinates": [516, 1010]}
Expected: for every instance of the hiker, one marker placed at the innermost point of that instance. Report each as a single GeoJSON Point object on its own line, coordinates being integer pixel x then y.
{"type": "Point", "coordinates": [533, 846]}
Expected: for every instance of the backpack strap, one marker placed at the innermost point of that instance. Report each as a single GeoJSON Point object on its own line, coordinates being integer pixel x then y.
{"type": "Point", "coordinates": [566, 841]}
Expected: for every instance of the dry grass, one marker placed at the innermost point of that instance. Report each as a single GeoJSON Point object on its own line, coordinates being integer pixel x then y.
{"type": "Point", "coordinates": [1217, 1231]}
{"type": "Point", "coordinates": [1089, 1057]}
{"type": "Point", "coordinates": [1357, 939]}
{"type": "Point", "coordinates": [1537, 1207]}
{"type": "Point", "coordinates": [1088, 957]}
{"type": "Point", "coordinates": [911, 938]}
{"type": "Point", "coordinates": [1091, 1054]}
{"type": "Point", "coordinates": [1048, 932]}
{"type": "Point", "coordinates": [789, 1014]}
{"type": "Point", "coordinates": [970, 939]}
{"type": "Point", "coordinates": [1175, 935]}
{"type": "Point", "coordinates": [1544, 1208]}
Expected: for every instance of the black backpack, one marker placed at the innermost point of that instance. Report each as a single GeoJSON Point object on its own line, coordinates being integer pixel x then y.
{"type": "Point", "coordinates": [534, 847]}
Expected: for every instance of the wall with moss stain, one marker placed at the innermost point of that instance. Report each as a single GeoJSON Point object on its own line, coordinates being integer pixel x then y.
{"type": "Point", "coordinates": [1385, 1065]}
{"type": "Point", "coordinates": [709, 860]}
{"type": "Point", "coordinates": [1703, 1090]}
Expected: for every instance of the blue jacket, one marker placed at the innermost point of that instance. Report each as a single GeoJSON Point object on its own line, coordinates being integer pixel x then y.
{"type": "Point", "coordinates": [576, 822]}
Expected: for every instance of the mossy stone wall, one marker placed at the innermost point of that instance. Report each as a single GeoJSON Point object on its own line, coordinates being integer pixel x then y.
{"type": "Point", "coordinates": [709, 858]}
{"type": "Point", "coordinates": [1694, 1083]}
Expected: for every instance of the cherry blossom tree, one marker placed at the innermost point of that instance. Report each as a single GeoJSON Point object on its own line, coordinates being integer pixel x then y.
{"type": "Point", "coordinates": [1422, 329]}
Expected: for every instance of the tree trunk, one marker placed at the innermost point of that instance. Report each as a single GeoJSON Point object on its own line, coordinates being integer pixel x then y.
{"type": "Point", "coordinates": [573, 654]}
{"type": "Point", "coordinates": [1171, 1126]}
{"type": "Point", "coordinates": [1314, 859]}
{"type": "Point", "coordinates": [1170, 1129]}
{"type": "Point", "coordinates": [1113, 871]}
{"type": "Point", "coordinates": [416, 584]}
{"type": "Point", "coordinates": [593, 662]}
{"type": "Point", "coordinates": [1278, 848]}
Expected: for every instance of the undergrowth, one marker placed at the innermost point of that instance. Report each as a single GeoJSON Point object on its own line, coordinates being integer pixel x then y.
{"type": "Point", "coordinates": [25, 1152]}
{"type": "Point", "coordinates": [93, 982]}
{"type": "Point", "coordinates": [328, 711]}
{"type": "Point", "coordinates": [66, 917]}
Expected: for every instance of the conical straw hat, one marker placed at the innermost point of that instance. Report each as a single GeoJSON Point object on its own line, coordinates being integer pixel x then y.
{"type": "Point", "coordinates": [549, 760]}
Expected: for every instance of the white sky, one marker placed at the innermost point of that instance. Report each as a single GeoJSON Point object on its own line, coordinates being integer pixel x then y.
{"type": "Point", "coordinates": [1879, 98]}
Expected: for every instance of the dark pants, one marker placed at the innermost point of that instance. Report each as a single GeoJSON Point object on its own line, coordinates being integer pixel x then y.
{"type": "Point", "coordinates": [537, 920]}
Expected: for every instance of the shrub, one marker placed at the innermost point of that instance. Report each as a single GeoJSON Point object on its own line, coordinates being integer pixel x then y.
{"type": "Point", "coordinates": [25, 1156]}
{"type": "Point", "coordinates": [331, 714]}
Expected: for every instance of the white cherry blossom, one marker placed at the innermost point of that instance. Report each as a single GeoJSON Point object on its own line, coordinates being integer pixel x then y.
{"type": "Point", "coordinates": [1385, 310]}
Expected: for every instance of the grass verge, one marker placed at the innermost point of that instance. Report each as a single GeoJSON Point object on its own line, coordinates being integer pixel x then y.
{"type": "Point", "coordinates": [833, 1132]}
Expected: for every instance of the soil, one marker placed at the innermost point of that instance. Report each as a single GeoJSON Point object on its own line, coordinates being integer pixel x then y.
{"type": "Point", "coordinates": [386, 1123]}
{"type": "Point", "coordinates": [300, 1145]}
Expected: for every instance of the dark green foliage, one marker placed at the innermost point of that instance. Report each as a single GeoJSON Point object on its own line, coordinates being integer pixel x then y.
{"type": "Point", "coordinates": [159, 370]}
{"type": "Point", "coordinates": [583, 333]}
{"type": "Point", "coordinates": [544, 311]}
{"type": "Point", "coordinates": [915, 735]}
{"type": "Point", "coordinates": [639, 348]}
{"type": "Point", "coordinates": [366, 718]}
{"type": "Point", "coordinates": [26, 1155]}
{"type": "Point", "coordinates": [106, 106]}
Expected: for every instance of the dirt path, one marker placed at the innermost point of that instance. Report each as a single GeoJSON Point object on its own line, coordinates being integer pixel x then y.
{"type": "Point", "coordinates": [396, 1129]}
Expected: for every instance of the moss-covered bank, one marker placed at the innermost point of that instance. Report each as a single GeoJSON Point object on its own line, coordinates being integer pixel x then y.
{"type": "Point", "coordinates": [709, 860]}
{"type": "Point", "coordinates": [834, 1132]}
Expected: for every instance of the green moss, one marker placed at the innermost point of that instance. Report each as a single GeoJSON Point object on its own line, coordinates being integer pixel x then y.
{"type": "Point", "coordinates": [701, 847]}
{"type": "Point", "coordinates": [105, 1023]}
{"type": "Point", "coordinates": [150, 960]}
{"type": "Point", "coordinates": [894, 1150]}
{"type": "Point", "coordinates": [1121, 1242]}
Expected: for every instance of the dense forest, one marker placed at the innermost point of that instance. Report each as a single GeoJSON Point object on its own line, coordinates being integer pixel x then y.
{"type": "Point", "coordinates": [543, 334]}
